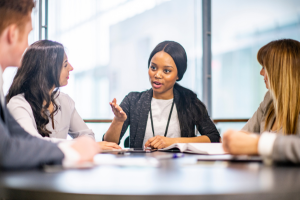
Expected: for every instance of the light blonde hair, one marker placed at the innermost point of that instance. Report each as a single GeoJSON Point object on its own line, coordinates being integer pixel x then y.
{"type": "Point", "coordinates": [281, 60]}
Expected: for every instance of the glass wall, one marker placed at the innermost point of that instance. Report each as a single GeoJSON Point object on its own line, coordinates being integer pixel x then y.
{"type": "Point", "coordinates": [109, 42]}
{"type": "Point", "coordinates": [239, 29]}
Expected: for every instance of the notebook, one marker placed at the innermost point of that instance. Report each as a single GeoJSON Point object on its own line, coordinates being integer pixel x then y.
{"type": "Point", "coordinates": [197, 148]}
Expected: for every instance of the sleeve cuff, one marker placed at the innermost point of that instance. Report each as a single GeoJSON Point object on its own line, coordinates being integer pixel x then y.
{"type": "Point", "coordinates": [266, 143]}
{"type": "Point", "coordinates": [72, 157]}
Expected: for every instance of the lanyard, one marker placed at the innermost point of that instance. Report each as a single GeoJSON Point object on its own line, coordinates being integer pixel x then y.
{"type": "Point", "coordinates": [167, 123]}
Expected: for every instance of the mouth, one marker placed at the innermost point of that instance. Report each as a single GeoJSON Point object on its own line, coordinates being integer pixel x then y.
{"type": "Point", "coordinates": [156, 84]}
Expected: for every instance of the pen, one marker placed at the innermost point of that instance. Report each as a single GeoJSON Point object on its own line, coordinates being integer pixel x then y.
{"type": "Point", "coordinates": [170, 156]}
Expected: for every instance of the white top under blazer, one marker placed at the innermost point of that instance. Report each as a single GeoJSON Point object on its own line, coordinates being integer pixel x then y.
{"type": "Point", "coordinates": [160, 113]}
{"type": "Point", "coordinates": [66, 120]}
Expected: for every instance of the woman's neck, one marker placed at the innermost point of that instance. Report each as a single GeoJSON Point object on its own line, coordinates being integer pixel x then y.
{"type": "Point", "coordinates": [165, 96]}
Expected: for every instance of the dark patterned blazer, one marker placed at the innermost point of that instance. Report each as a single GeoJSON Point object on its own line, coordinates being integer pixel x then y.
{"type": "Point", "coordinates": [136, 105]}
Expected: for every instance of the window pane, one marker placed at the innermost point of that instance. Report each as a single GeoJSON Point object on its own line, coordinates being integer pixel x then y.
{"type": "Point", "coordinates": [108, 44]}
{"type": "Point", "coordinates": [239, 30]}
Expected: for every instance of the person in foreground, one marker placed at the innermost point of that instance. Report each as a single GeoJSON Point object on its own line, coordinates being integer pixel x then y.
{"type": "Point", "coordinates": [277, 118]}
{"type": "Point", "coordinates": [34, 99]}
{"type": "Point", "coordinates": [18, 149]}
{"type": "Point", "coordinates": [167, 113]}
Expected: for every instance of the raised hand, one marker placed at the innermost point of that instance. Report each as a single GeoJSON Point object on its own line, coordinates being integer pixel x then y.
{"type": "Point", "coordinates": [120, 115]}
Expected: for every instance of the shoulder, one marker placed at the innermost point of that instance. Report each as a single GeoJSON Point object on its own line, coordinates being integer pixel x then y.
{"type": "Point", "coordinates": [18, 101]}
{"type": "Point", "coordinates": [64, 97]}
{"type": "Point", "coordinates": [266, 102]}
{"type": "Point", "coordinates": [136, 96]}
{"type": "Point", "coordinates": [65, 100]}
{"type": "Point", "coordinates": [134, 100]}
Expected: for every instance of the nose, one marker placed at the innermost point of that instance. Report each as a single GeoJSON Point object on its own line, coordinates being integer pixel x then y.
{"type": "Point", "coordinates": [158, 75]}
{"type": "Point", "coordinates": [71, 68]}
{"type": "Point", "coordinates": [262, 72]}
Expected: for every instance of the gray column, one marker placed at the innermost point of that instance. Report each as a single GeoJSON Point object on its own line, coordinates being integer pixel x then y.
{"type": "Point", "coordinates": [206, 34]}
{"type": "Point", "coordinates": [40, 18]}
{"type": "Point", "coordinates": [46, 19]}
{"type": "Point", "coordinates": [41, 14]}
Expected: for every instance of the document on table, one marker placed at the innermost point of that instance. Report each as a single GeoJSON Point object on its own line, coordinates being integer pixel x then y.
{"type": "Point", "coordinates": [197, 148]}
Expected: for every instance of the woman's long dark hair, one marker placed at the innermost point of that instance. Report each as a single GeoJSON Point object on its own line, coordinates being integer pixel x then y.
{"type": "Point", "coordinates": [189, 106]}
{"type": "Point", "coordinates": [39, 73]}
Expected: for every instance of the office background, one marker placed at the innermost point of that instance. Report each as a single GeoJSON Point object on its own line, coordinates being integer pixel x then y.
{"type": "Point", "coordinates": [108, 44]}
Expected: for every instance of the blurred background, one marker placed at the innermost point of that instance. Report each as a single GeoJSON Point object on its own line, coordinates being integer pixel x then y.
{"type": "Point", "coordinates": [108, 44]}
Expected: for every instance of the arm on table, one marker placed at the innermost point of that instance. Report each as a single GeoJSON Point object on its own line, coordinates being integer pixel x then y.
{"type": "Point", "coordinates": [286, 148]}
{"type": "Point", "coordinates": [159, 142]}
{"type": "Point", "coordinates": [280, 148]}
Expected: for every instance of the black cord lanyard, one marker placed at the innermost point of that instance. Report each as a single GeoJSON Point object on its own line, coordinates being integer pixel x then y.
{"type": "Point", "coordinates": [167, 123]}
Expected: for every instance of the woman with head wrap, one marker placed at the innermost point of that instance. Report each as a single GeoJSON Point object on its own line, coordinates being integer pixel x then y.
{"type": "Point", "coordinates": [167, 113]}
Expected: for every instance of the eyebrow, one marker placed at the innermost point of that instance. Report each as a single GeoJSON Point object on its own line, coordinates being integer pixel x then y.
{"type": "Point", "coordinates": [66, 60]}
{"type": "Point", "coordinates": [156, 65]}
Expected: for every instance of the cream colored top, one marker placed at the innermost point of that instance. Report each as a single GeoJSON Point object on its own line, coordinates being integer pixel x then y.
{"type": "Point", "coordinates": [160, 114]}
{"type": "Point", "coordinates": [66, 120]}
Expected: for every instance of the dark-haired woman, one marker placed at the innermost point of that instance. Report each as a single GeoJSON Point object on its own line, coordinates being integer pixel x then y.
{"type": "Point", "coordinates": [34, 99]}
{"type": "Point", "coordinates": [167, 113]}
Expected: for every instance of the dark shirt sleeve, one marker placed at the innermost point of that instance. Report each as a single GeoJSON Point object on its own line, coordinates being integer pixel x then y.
{"type": "Point", "coordinates": [206, 126]}
{"type": "Point", "coordinates": [18, 149]}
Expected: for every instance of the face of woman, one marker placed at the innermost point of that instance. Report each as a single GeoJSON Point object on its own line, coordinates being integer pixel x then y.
{"type": "Point", "coordinates": [65, 71]}
{"type": "Point", "coordinates": [162, 74]}
{"type": "Point", "coordinates": [264, 74]}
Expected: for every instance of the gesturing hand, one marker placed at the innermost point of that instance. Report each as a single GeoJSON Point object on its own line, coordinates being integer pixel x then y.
{"type": "Point", "coordinates": [120, 115]}
{"type": "Point", "coordinates": [108, 145]}
{"type": "Point", "coordinates": [239, 142]}
{"type": "Point", "coordinates": [159, 142]}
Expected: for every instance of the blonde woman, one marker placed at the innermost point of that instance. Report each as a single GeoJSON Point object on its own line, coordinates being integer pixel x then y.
{"type": "Point", "coordinates": [277, 118]}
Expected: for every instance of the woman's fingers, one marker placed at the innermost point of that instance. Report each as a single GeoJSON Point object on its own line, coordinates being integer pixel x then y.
{"type": "Point", "coordinates": [148, 143]}
{"type": "Point", "coordinates": [157, 144]}
{"type": "Point", "coordinates": [108, 145]}
{"type": "Point", "coordinates": [113, 145]}
{"type": "Point", "coordinates": [161, 146]}
{"type": "Point", "coordinates": [116, 108]}
{"type": "Point", "coordinates": [153, 144]}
